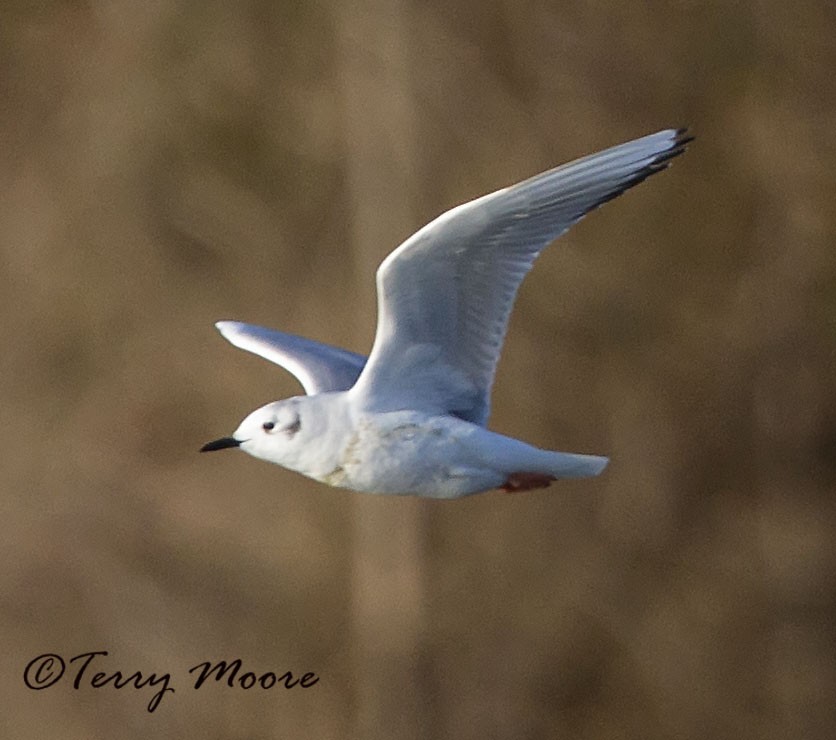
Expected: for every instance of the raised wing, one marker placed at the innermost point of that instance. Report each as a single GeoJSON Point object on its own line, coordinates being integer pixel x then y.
{"type": "Point", "coordinates": [318, 367]}
{"type": "Point", "coordinates": [445, 295]}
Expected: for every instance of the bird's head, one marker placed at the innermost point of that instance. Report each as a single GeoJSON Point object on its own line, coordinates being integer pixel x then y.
{"type": "Point", "coordinates": [271, 433]}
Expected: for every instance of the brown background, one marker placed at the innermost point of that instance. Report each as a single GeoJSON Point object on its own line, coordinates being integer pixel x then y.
{"type": "Point", "coordinates": [166, 164]}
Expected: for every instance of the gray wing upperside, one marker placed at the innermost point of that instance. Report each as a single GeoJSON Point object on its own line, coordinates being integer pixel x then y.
{"type": "Point", "coordinates": [318, 367]}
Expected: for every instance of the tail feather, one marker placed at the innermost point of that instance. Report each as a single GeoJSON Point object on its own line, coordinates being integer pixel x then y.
{"type": "Point", "coordinates": [507, 455]}
{"type": "Point", "coordinates": [573, 465]}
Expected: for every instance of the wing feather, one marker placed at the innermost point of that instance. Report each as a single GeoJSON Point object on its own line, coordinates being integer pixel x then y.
{"type": "Point", "coordinates": [445, 295]}
{"type": "Point", "coordinates": [318, 367]}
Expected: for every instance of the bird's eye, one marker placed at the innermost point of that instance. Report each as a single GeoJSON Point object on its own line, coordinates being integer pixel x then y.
{"type": "Point", "coordinates": [268, 425]}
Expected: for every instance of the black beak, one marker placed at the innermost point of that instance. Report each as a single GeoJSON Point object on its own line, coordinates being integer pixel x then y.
{"type": "Point", "coordinates": [220, 444]}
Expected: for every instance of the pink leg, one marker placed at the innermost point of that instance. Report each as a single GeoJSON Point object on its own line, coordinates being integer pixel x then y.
{"type": "Point", "coordinates": [526, 482]}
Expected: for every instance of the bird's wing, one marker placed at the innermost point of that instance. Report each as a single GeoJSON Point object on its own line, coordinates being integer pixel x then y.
{"type": "Point", "coordinates": [445, 294]}
{"type": "Point", "coordinates": [318, 367]}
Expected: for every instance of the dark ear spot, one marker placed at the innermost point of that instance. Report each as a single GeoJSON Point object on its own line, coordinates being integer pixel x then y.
{"type": "Point", "coordinates": [292, 428]}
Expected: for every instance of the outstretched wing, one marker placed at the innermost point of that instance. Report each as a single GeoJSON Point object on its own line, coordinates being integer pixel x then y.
{"type": "Point", "coordinates": [445, 295]}
{"type": "Point", "coordinates": [318, 367]}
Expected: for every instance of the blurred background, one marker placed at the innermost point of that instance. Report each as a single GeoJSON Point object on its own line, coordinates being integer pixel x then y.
{"type": "Point", "coordinates": [170, 163]}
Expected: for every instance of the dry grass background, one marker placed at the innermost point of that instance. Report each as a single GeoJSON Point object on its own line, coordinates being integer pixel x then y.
{"type": "Point", "coordinates": [169, 163]}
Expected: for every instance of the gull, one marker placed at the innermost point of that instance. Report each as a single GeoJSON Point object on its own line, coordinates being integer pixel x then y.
{"type": "Point", "coordinates": [411, 417]}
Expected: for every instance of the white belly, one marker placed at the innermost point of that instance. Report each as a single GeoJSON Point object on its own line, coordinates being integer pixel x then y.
{"type": "Point", "coordinates": [408, 453]}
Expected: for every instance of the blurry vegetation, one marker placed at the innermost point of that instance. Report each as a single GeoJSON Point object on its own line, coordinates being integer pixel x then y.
{"type": "Point", "coordinates": [170, 163]}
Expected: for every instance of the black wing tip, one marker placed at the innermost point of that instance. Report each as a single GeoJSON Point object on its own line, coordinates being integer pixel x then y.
{"type": "Point", "coordinates": [683, 136]}
{"type": "Point", "coordinates": [679, 143]}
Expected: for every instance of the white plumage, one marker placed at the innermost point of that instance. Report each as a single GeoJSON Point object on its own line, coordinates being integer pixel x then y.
{"type": "Point", "coordinates": [411, 418]}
